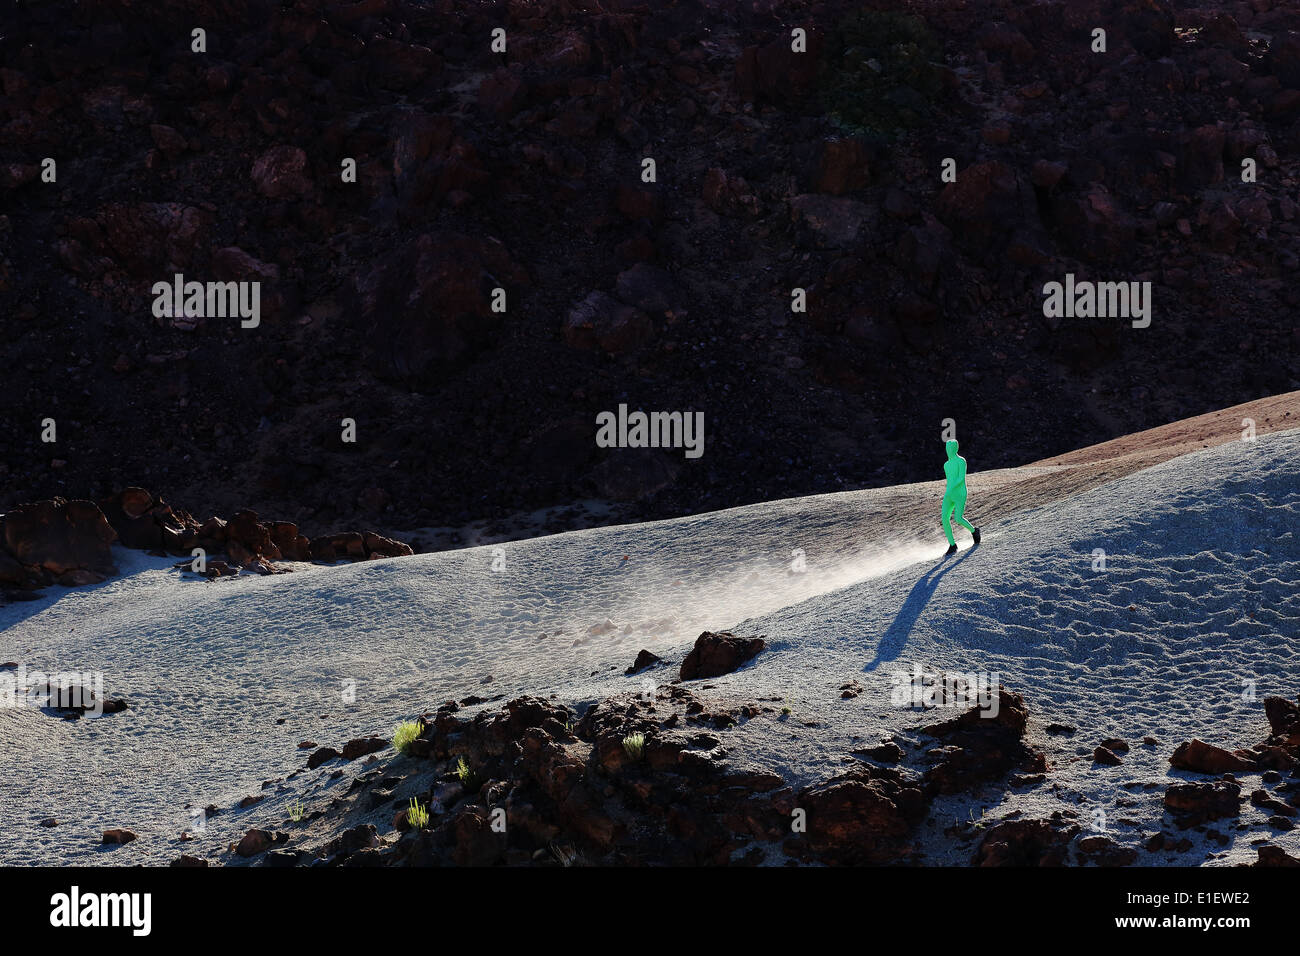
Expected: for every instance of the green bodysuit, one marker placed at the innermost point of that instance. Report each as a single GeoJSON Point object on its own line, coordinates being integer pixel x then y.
{"type": "Point", "coordinates": [954, 495]}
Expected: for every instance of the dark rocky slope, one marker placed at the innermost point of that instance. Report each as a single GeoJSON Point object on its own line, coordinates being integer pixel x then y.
{"type": "Point", "coordinates": [521, 171]}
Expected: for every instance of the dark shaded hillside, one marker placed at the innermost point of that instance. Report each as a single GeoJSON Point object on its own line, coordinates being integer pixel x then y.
{"type": "Point", "coordinates": [522, 171]}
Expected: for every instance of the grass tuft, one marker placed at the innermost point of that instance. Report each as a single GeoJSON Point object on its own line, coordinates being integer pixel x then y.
{"type": "Point", "coordinates": [465, 775]}
{"type": "Point", "coordinates": [404, 734]}
{"type": "Point", "coordinates": [416, 815]}
{"type": "Point", "coordinates": [634, 745]}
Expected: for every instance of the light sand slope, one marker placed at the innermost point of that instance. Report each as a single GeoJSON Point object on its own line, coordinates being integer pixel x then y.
{"type": "Point", "coordinates": [1196, 545]}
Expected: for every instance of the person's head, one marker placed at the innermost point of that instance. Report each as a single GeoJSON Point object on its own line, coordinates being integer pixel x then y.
{"type": "Point", "coordinates": [951, 445]}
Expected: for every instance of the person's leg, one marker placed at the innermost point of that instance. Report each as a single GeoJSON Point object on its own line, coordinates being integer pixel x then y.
{"type": "Point", "coordinates": [948, 506]}
{"type": "Point", "coordinates": [959, 514]}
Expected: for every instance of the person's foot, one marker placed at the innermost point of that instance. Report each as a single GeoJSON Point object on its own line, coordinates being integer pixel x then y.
{"type": "Point", "coordinates": [952, 549]}
{"type": "Point", "coordinates": [976, 534]}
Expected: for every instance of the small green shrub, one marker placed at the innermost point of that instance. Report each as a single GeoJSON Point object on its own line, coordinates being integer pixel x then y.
{"type": "Point", "coordinates": [634, 745]}
{"type": "Point", "coordinates": [404, 734]}
{"type": "Point", "coordinates": [416, 815]}
{"type": "Point", "coordinates": [465, 775]}
{"type": "Point", "coordinates": [297, 811]}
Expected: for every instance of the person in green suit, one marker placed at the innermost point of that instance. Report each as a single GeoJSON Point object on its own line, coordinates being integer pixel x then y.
{"type": "Point", "coordinates": [954, 497]}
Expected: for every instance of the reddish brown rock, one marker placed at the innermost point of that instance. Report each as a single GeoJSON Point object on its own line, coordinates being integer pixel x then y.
{"type": "Point", "coordinates": [292, 545]}
{"type": "Point", "coordinates": [320, 756]}
{"type": "Point", "coordinates": [864, 816]}
{"type": "Point", "coordinates": [728, 195]}
{"type": "Point", "coordinates": [842, 166]}
{"type": "Point", "coordinates": [833, 222]}
{"type": "Point", "coordinates": [639, 203]}
{"type": "Point", "coordinates": [987, 203]}
{"type": "Point", "coordinates": [1025, 843]}
{"type": "Point", "coordinates": [979, 746]}
{"type": "Point", "coordinates": [377, 545]}
{"type": "Point", "coordinates": [281, 173]}
{"type": "Point", "coordinates": [430, 160]}
{"type": "Point", "coordinates": [233, 264]}
{"type": "Point", "coordinates": [168, 140]}
{"type": "Point", "coordinates": [1283, 716]}
{"type": "Point", "coordinates": [1191, 804]}
{"type": "Point", "coordinates": [1270, 855]}
{"type": "Point", "coordinates": [1106, 757]}
{"type": "Point", "coordinates": [643, 660]}
{"type": "Point", "coordinates": [601, 321]}
{"type": "Point", "coordinates": [60, 536]}
{"type": "Point", "coordinates": [362, 746]}
{"type": "Point", "coordinates": [777, 72]}
{"type": "Point", "coordinates": [1200, 757]}
{"type": "Point", "coordinates": [1103, 851]}
{"type": "Point", "coordinates": [248, 539]}
{"type": "Point", "coordinates": [142, 236]}
{"type": "Point", "coordinates": [253, 842]}
{"type": "Point", "coordinates": [715, 654]}
{"type": "Point", "coordinates": [148, 523]}
{"type": "Point", "coordinates": [502, 93]}
{"type": "Point", "coordinates": [1095, 224]}
{"type": "Point", "coordinates": [398, 65]}
{"type": "Point", "coordinates": [1284, 58]}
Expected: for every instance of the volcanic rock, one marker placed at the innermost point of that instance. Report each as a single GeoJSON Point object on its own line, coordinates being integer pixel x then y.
{"type": "Point", "coordinates": [715, 654]}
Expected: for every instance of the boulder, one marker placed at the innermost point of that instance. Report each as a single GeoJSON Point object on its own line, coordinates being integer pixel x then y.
{"type": "Point", "coordinates": [602, 322]}
{"type": "Point", "coordinates": [148, 523]}
{"type": "Point", "coordinates": [145, 237]}
{"type": "Point", "coordinates": [1283, 716]}
{"type": "Point", "coordinates": [1103, 851]}
{"type": "Point", "coordinates": [1200, 757]}
{"type": "Point", "coordinates": [1025, 843]}
{"type": "Point", "coordinates": [864, 816]}
{"type": "Point", "coordinates": [59, 536]}
{"type": "Point", "coordinates": [643, 660]}
{"type": "Point", "coordinates": [363, 746]}
{"type": "Point", "coordinates": [1270, 855]}
{"type": "Point", "coordinates": [430, 308]}
{"type": "Point", "coordinates": [833, 222]}
{"type": "Point", "coordinates": [728, 195]}
{"type": "Point", "coordinates": [281, 173]}
{"type": "Point", "coordinates": [430, 160]}
{"type": "Point", "coordinates": [321, 756]}
{"type": "Point", "coordinates": [715, 654]}
{"type": "Point", "coordinates": [253, 842]}
{"type": "Point", "coordinates": [377, 546]}
{"type": "Point", "coordinates": [1191, 804]}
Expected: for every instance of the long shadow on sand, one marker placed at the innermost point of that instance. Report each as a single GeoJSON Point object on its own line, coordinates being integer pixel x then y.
{"type": "Point", "coordinates": [895, 636]}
